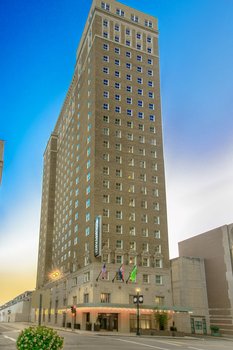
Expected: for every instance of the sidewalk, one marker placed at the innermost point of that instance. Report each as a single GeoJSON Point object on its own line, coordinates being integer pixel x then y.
{"type": "Point", "coordinates": [21, 325]}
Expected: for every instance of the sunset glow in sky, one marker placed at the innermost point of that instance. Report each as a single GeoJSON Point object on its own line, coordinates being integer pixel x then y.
{"type": "Point", "coordinates": [38, 42]}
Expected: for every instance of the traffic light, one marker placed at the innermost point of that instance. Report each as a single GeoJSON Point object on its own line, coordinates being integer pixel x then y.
{"type": "Point", "coordinates": [73, 309]}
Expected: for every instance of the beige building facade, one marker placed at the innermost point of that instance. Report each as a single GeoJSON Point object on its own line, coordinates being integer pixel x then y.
{"type": "Point", "coordinates": [104, 201]}
{"type": "Point", "coordinates": [17, 309]}
{"type": "Point", "coordinates": [189, 290]}
{"type": "Point", "coordinates": [216, 248]}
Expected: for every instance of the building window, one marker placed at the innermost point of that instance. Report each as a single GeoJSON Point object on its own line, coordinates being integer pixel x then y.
{"type": "Point", "coordinates": [128, 31]}
{"type": "Point", "coordinates": [106, 70]}
{"type": "Point", "coordinates": [105, 35]}
{"type": "Point", "coordinates": [132, 231]}
{"type": "Point", "coordinates": [118, 146]}
{"type": "Point", "coordinates": [129, 100]}
{"type": "Point", "coordinates": [106, 213]}
{"type": "Point", "coordinates": [106, 184]}
{"type": "Point", "coordinates": [157, 234]}
{"type": "Point", "coordinates": [139, 36]}
{"type": "Point", "coordinates": [106, 82]}
{"type": "Point", "coordinates": [119, 259]}
{"type": "Point", "coordinates": [127, 43]}
{"type": "Point", "coordinates": [134, 18]}
{"type": "Point", "coordinates": [128, 54]}
{"type": "Point", "coordinates": [118, 109]}
{"type": "Point", "coordinates": [118, 186]}
{"type": "Point", "coordinates": [106, 47]}
{"type": "Point", "coordinates": [139, 80]}
{"type": "Point", "coordinates": [119, 214]}
{"type": "Point", "coordinates": [105, 23]}
{"type": "Point", "coordinates": [158, 263]}
{"type": "Point", "coordinates": [152, 118]}
{"type": "Point", "coordinates": [145, 262]}
{"type": "Point", "coordinates": [158, 279]}
{"type": "Point", "coordinates": [87, 231]}
{"type": "Point", "coordinates": [129, 112]}
{"type": "Point", "coordinates": [117, 74]}
{"type": "Point", "coordinates": [106, 106]}
{"type": "Point", "coordinates": [105, 144]}
{"type": "Point", "coordinates": [106, 58]}
{"type": "Point", "coordinates": [119, 244]}
{"type": "Point", "coordinates": [86, 298]}
{"type": "Point", "coordinates": [117, 27]}
{"type": "Point", "coordinates": [128, 65]}
{"type": "Point", "coordinates": [150, 83]}
{"type": "Point", "coordinates": [105, 119]}
{"type": "Point", "coordinates": [117, 121]}
{"type": "Point", "coordinates": [117, 50]}
{"type": "Point", "coordinates": [106, 198]}
{"type": "Point", "coordinates": [151, 106]}
{"type": "Point", "coordinates": [139, 58]}
{"type": "Point", "coordinates": [158, 249]}
{"type": "Point", "coordinates": [118, 173]}
{"type": "Point", "coordinates": [120, 12]}
{"type": "Point", "coordinates": [145, 232]}
{"type": "Point", "coordinates": [150, 61]}
{"type": "Point", "coordinates": [151, 94]}
{"type": "Point", "coordinates": [117, 62]}
{"type": "Point", "coordinates": [117, 85]}
{"type": "Point", "coordinates": [131, 216]}
{"type": "Point", "coordinates": [118, 200]}
{"type": "Point", "coordinates": [129, 77]}
{"type": "Point", "coordinates": [117, 39]}
{"type": "Point", "coordinates": [160, 301]}
{"type": "Point", "coordinates": [105, 297]}
{"type": "Point", "coordinates": [145, 278]}
{"type": "Point", "coordinates": [106, 94]}
{"type": "Point", "coordinates": [119, 229]}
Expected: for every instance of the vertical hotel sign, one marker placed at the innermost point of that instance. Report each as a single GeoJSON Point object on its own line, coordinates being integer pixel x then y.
{"type": "Point", "coordinates": [97, 236]}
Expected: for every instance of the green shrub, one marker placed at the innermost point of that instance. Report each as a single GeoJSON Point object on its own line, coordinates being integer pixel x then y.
{"type": "Point", "coordinates": [39, 338]}
{"type": "Point", "coordinates": [214, 329]}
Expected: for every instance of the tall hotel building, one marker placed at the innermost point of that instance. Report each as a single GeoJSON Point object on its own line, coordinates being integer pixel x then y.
{"type": "Point", "coordinates": [104, 201]}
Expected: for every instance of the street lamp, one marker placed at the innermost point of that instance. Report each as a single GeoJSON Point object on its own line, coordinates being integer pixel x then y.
{"type": "Point", "coordinates": [138, 299]}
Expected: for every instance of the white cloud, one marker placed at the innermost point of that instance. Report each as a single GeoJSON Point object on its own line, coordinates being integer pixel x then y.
{"type": "Point", "coordinates": [19, 236]}
{"type": "Point", "coordinates": [199, 196]}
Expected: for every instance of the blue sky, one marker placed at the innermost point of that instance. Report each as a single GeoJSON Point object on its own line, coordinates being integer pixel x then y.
{"type": "Point", "coordinates": [38, 42]}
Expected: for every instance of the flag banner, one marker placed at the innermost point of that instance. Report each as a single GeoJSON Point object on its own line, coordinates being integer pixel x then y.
{"type": "Point", "coordinates": [133, 274]}
{"type": "Point", "coordinates": [121, 273]}
{"type": "Point", "coordinates": [104, 272]}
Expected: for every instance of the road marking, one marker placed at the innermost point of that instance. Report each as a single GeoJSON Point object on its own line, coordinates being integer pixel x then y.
{"type": "Point", "coordinates": [142, 344]}
{"type": "Point", "coordinates": [190, 347]}
{"type": "Point", "coordinates": [175, 343]}
{"type": "Point", "coordinates": [5, 336]}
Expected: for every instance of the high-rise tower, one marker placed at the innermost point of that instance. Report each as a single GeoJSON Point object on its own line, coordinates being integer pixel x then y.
{"type": "Point", "coordinates": [103, 186]}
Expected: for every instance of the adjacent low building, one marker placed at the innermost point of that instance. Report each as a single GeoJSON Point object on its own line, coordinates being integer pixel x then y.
{"type": "Point", "coordinates": [216, 248]}
{"type": "Point", "coordinates": [189, 290]}
{"type": "Point", "coordinates": [17, 309]}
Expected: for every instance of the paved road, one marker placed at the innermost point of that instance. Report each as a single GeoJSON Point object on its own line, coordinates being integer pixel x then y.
{"type": "Point", "coordinates": [100, 341]}
{"type": "Point", "coordinates": [8, 336]}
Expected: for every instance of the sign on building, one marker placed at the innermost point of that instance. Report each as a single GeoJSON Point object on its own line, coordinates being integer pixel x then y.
{"type": "Point", "coordinates": [97, 236]}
